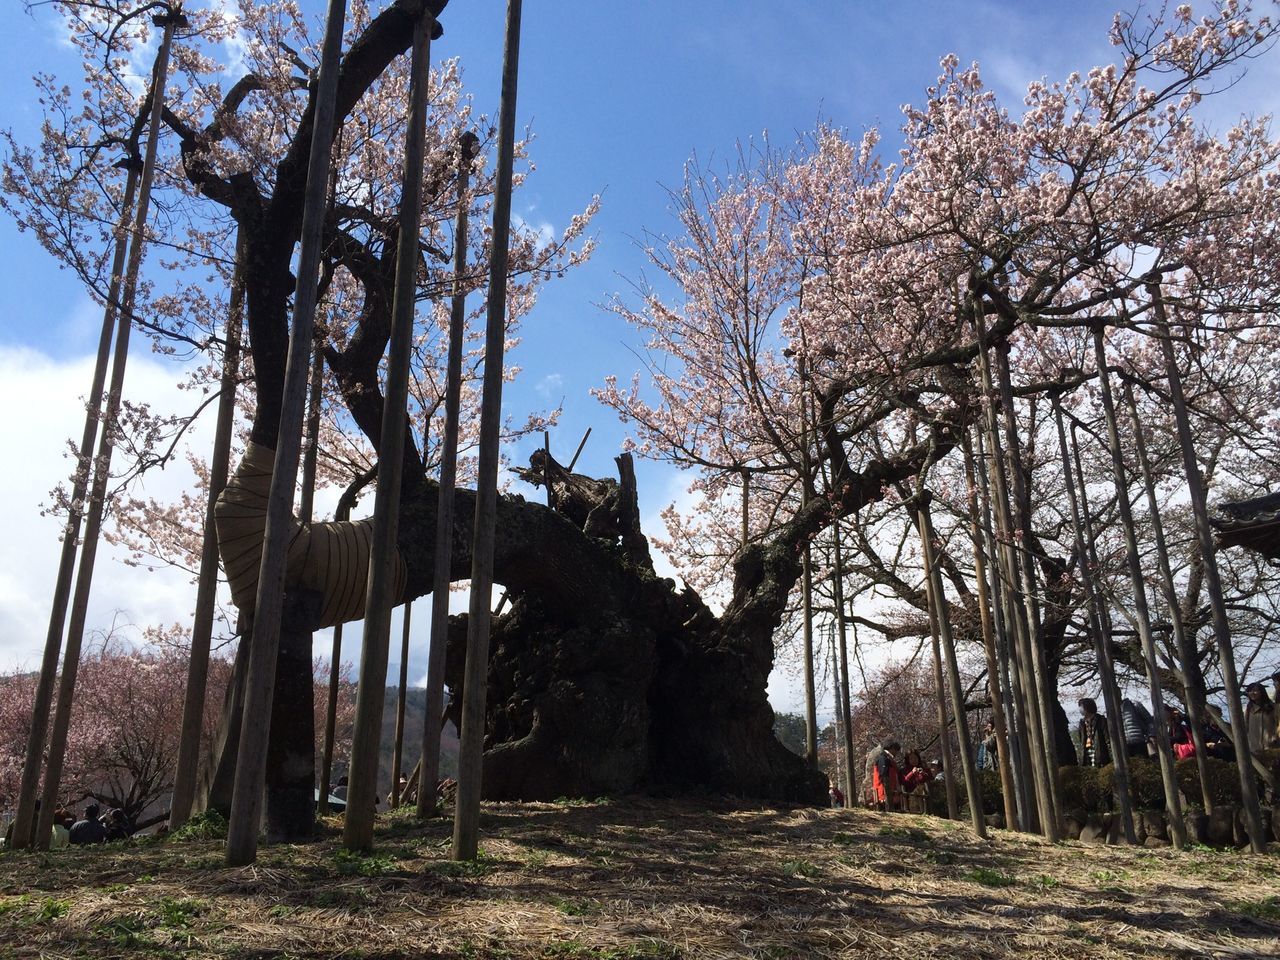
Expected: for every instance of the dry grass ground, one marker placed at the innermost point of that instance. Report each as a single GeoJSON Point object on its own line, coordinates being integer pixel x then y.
{"type": "Point", "coordinates": [646, 879]}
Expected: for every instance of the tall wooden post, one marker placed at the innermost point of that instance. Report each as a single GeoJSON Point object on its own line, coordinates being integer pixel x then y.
{"type": "Point", "coordinates": [38, 732]}
{"type": "Point", "coordinates": [1213, 582]}
{"type": "Point", "coordinates": [842, 676]}
{"type": "Point", "coordinates": [106, 444]}
{"type": "Point", "coordinates": [429, 769]}
{"type": "Point", "coordinates": [397, 750]}
{"type": "Point", "coordinates": [1192, 678]}
{"type": "Point", "coordinates": [1045, 693]}
{"type": "Point", "coordinates": [362, 790]}
{"type": "Point", "coordinates": [1021, 614]}
{"type": "Point", "coordinates": [1003, 765]}
{"type": "Point", "coordinates": [251, 757]}
{"type": "Point", "coordinates": [938, 600]}
{"type": "Point", "coordinates": [806, 582]}
{"type": "Point", "coordinates": [1006, 645]}
{"type": "Point", "coordinates": [342, 512]}
{"type": "Point", "coordinates": [1101, 635]}
{"type": "Point", "coordinates": [466, 824]}
{"type": "Point", "coordinates": [1177, 827]}
{"type": "Point", "coordinates": [940, 699]}
{"type": "Point", "coordinates": [184, 777]}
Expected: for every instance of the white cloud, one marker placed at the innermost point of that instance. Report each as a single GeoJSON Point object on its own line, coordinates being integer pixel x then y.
{"type": "Point", "coordinates": [551, 387]}
{"type": "Point", "coordinates": [43, 400]}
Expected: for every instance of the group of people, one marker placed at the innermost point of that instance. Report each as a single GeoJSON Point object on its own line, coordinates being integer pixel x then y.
{"type": "Point", "coordinates": [890, 783]}
{"type": "Point", "coordinates": [92, 827]}
{"type": "Point", "coordinates": [1262, 730]}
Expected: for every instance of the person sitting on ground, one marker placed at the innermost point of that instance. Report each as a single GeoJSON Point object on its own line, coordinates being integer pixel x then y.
{"type": "Point", "coordinates": [117, 826]}
{"type": "Point", "coordinates": [340, 791]}
{"type": "Point", "coordinates": [1216, 744]}
{"type": "Point", "coordinates": [885, 780]}
{"type": "Point", "coordinates": [90, 829]}
{"type": "Point", "coordinates": [1179, 734]}
{"type": "Point", "coordinates": [31, 842]}
{"type": "Point", "coordinates": [1095, 744]}
{"type": "Point", "coordinates": [62, 824]}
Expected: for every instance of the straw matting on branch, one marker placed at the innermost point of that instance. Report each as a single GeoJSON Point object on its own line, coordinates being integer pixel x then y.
{"type": "Point", "coordinates": [647, 879]}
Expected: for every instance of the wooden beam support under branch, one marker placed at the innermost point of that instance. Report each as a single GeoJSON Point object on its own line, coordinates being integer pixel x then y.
{"type": "Point", "coordinates": [362, 790]}
{"type": "Point", "coordinates": [466, 824]}
{"type": "Point", "coordinates": [251, 757]}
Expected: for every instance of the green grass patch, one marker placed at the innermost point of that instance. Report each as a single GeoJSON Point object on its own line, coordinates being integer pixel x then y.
{"type": "Point", "coordinates": [209, 825]}
{"type": "Point", "coordinates": [845, 839]}
{"type": "Point", "coordinates": [644, 950]}
{"type": "Point", "coordinates": [990, 878]}
{"type": "Point", "coordinates": [482, 865]}
{"type": "Point", "coordinates": [350, 863]}
{"type": "Point", "coordinates": [905, 833]}
{"type": "Point", "coordinates": [800, 868]}
{"type": "Point", "coordinates": [1268, 908]}
{"type": "Point", "coordinates": [178, 912]}
{"type": "Point", "coordinates": [53, 909]}
{"type": "Point", "coordinates": [575, 908]}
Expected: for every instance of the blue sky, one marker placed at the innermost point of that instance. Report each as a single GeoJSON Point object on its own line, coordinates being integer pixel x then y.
{"type": "Point", "coordinates": [619, 96]}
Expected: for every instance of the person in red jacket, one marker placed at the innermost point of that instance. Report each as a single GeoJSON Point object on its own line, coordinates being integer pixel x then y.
{"type": "Point", "coordinates": [885, 780]}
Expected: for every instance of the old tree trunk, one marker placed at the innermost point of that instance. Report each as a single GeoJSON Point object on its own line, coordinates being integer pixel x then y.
{"type": "Point", "coordinates": [604, 678]}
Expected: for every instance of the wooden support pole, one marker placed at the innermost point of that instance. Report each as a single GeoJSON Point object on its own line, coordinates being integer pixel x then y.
{"type": "Point", "coordinates": [806, 583]}
{"type": "Point", "coordinates": [1045, 694]}
{"type": "Point", "coordinates": [940, 702]}
{"type": "Point", "coordinates": [1192, 679]}
{"type": "Point", "coordinates": [187, 767]}
{"type": "Point", "coordinates": [362, 790]}
{"type": "Point", "coordinates": [1015, 725]}
{"type": "Point", "coordinates": [251, 757]}
{"type": "Point", "coordinates": [466, 824]}
{"type": "Point", "coordinates": [1173, 806]}
{"type": "Point", "coordinates": [1003, 765]}
{"type": "Point", "coordinates": [1101, 635]}
{"type": "Point", "coordinates": [397, 751]}
{"type": "Point", "coordinates": [342, 513]}
{"type": "Point", "coordinates": [842, 638]}
{"type": "Point", "coordinates": [41, 705]}
{"type": "Point", "coordinates": [938, 601]}
{"type": "Point", "coordinates": [577, 453]}
{"type": "Point", "coordinates": [1021, 614]}
{"type": "Point", "coordinates": [429, 769]}
{"type": "Point", "coordinates": [106, 444]}
{"type": "Point", "coordinates": [1213, 582]}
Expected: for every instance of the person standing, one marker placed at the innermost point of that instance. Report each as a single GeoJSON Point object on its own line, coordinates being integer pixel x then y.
{"type": "Point", "coordinates": [1095, 745]}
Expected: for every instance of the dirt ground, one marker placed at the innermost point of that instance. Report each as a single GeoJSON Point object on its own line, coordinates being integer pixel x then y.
{"type": "Point", "coordinates": [646, 879]}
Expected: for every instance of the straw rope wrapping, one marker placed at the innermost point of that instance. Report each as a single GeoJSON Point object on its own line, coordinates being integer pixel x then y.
{"type": "Point", "coordinates": [329, 558]}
